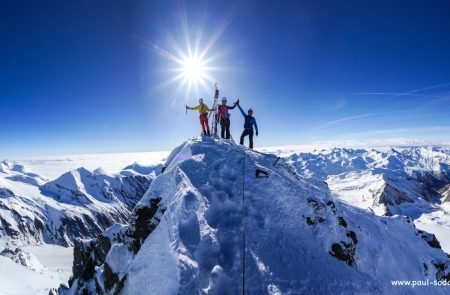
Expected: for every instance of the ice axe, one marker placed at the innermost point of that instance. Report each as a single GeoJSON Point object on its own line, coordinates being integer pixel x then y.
{"type": "Point", "coordinates": [216, 94]}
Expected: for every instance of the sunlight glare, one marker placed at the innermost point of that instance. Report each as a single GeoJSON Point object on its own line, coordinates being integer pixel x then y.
{"type": "Point", "coordinates": [193, 69]}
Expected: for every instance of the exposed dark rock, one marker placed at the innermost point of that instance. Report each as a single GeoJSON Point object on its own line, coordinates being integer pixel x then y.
{"type": "Point", "coordinates": [352, 235]}
{"type": "Point", "coordinates": [316, 205]}
{"type": "Point", "coordinates": [429, 238]}
{"type": "Point", "coordinates": [345, 251]}
{"type": "Point", "coordinates": [22, 257]}
{"type": "Point", "coordinates": [390, 195]}
{"type": "Point", "coordinates": [88, 255]}
{"type": "Point", "coordinates": [6, 193]}
{"type": "Point", "coordinates": [445, 193]}
{"type": "Point", "coordinates": [6, 227]}
{"type": "Point", "coordinates": [442, 271]}
{"type": "Point", "coordinates": [111, 278]}
{"type": "Point", "coordinates": [342, 221]}
{"type": "Point", "coordinates": [425, 269]}
{"type": "Point", "coordinates": [261, 174]}
{"type": "Point", "coordinates": [332, 206]}
{"type": "Point", "coordinates": [431, 185]}
{"type": "Point", "coordinates": [143, 223]}
{"type": "Point", "coordinates": [91, 254]}
{"type": "Point", "coordinates": [319, 209]}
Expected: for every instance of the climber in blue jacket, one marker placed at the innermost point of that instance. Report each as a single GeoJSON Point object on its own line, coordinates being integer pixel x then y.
{"type": "Point", "coordinates": [250, 121]}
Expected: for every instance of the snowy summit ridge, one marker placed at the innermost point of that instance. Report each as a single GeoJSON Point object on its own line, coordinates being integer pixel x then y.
{"type": "Point", "coordinates": [222, 218]}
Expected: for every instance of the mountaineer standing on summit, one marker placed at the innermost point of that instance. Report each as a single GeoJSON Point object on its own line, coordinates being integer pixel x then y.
{"type": "Point", "coordinates": [203, 110]}
{"type": "Point", "coordinates": [248, 125]}
{"type": "Point", "coordinates": [224, 117]}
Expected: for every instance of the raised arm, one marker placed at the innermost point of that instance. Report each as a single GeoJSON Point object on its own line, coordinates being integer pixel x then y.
{"type": "Point", "coordinates": [230, 108]}
{"type": "Point", "coordinates": [194, 108]}
{"type": "Point", "coordinates": [242, 111]}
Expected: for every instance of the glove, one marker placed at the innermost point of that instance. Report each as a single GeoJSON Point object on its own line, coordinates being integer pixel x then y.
{"type": "Point", "coordinates": [237, 102]}
{"type": "Point", "coordinates": [256, 133]}
{"type": "Point", "coordinates": [187, 107]}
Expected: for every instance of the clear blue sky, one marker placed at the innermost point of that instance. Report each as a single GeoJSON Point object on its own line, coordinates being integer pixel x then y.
{"type": "Point", "coordinates": [84, 76]}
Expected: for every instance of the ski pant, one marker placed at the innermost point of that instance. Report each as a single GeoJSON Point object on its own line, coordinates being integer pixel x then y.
{"type": "Point", "coordinates": [204, 123]}
{"type": "Point", "coordinates": [225, 128]}
{"type": "Point", "coordinates": [248, 132]}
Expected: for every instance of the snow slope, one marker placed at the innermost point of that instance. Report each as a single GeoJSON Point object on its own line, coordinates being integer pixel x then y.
{"type": "Point", "coordinates": [55, 266]}
{"type": "Point", "coordinates": [222, 218]}
{"type": "Point", "coordinates": [410, 181]}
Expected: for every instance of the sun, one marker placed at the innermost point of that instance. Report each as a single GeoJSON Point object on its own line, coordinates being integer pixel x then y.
{"type": "Point", "coordinates": [194, 61]}
{"type": "Point", "coordinates": [194, 69]}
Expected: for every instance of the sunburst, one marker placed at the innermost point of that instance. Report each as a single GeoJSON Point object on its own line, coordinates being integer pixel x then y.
{"type": "Point", "coordinates": [194, 60]}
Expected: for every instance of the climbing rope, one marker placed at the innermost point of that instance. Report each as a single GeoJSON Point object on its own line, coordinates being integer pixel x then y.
{"type": "Point", "coordinates": [243, 223]}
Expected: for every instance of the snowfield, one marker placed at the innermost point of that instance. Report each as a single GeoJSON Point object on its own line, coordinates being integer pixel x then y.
{"type": "Point", "coordinates": [50, 265]}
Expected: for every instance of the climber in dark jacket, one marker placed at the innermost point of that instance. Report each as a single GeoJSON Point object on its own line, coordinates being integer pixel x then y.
{"type": "Point", "coordinates": [248, 126]}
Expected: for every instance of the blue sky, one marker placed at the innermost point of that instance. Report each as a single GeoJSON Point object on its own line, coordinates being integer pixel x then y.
{"type": "Point", "coordinates": [89, 76]}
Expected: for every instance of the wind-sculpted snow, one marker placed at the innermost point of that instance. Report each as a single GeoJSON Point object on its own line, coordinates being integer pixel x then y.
{"type": "Point", "coordinates": [78, 204]}
{"type": "Point", "coordinates": [213, 223]}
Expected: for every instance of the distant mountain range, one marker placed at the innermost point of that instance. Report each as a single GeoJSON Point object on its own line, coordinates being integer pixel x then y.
{"type": "Point", "coordinates": [78, 204]}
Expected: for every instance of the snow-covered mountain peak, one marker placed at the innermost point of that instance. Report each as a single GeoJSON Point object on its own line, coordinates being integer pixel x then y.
{"type": "Point", "coordinates": [78, 203]}
{"type": "Point", "coordinates": [222, 219]}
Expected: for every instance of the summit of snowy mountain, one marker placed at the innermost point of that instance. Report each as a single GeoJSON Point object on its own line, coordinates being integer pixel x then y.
{"type": "Point", "coordinates": [222, 219]}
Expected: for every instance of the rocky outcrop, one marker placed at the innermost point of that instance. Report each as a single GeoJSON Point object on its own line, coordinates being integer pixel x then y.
{"type": "Point", "coordinates": [345, 250]}
{"type": "Point", "coordinates": [389, 195]}
{"type": "Point", "coordinates": [445, 193]}
{"type": "Point", "coordinates": [90, 256]}
{"type": "Point", "coordinates": [429, 238]}
{"type": "Point", "coordinates": [22, 257]}
{"type": "Point", "coordinates": [442, 271]}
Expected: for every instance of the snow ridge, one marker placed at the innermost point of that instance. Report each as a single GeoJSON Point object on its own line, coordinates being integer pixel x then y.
{"type": "Point", "coordinates": [186, 234]}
